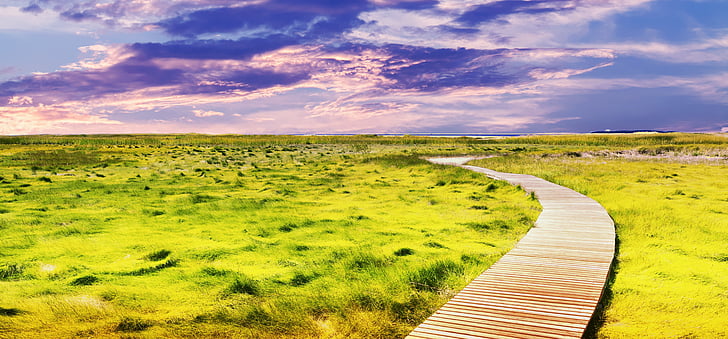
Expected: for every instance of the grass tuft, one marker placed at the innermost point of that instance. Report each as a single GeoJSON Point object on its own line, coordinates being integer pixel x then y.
{"type": "Point", "coordinates": [415, 308]}
{"type": "Point", "coordinates": [404, 252]}
{"type": "Point", "coordinates": [132, 324]}
{"type": "Point", "coordinates": [300, 279]}
{"type": "Point", "coordinates": [213, 254]}
{"type": "Point", "coordinates": [397, 160]}
{"type": "Point", "coordinates": [17, 191]}
{"type": "Point", "coordinates": [497, 224]}
{"type": "Point", "coordinates": [153, 212]}
{"type": "Point", "coordinates": [214, 272]}
{"type": "Point", "coordinates": [84, 280]}
{"type": "Point", "coordinates": [158, 255]}
{"type": "Point", "coordinates": [287, 227]}
{"type": "Point", "coordinates": [435, 277]}
{"type": "Point", "coordinates": [243, 285]}
{"type": "Point", "coordinates": [365, 261]}
{"type": "Point", "coordinates": [10, 271]}
{"type": "Point", "coordinates": [300, 248]}
{"type": "Point", "coordinates": [434, 244]}
{"type": "Point", "coordinates": [201, 198]}
{"type": "Point", "coordinates": [148, 270]}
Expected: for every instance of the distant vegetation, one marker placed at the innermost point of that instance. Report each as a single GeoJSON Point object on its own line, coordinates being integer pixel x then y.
{"type": "Point", "coordinates": [230, 140]}
{"type": "Point", "coordinates": [623, 140]}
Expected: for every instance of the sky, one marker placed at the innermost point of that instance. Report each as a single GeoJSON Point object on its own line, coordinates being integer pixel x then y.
{"type": "Point", "coordinates": [362, 66]}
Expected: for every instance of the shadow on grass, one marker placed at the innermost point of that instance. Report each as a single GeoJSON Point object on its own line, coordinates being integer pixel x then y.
{"type": "Point", "coordinates": [148, 270]}
{"type": "Point", "coordinates": [599, 317]}
{"type": "Point", "coordinates": [9, 312]}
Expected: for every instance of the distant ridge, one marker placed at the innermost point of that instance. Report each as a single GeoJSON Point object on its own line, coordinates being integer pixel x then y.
{"type": "Point", "coordinates": [632, 131]}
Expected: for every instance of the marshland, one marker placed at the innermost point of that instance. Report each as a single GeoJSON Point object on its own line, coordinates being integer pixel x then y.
{"type": "Point", "coordinates": [337, 236]}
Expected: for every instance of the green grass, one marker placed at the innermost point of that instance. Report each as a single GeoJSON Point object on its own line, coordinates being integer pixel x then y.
{"type": "Point", "coordinates": [231, 236]}
{"type": "Point", "coordinates": [671, 215]}
{"type": "Point", "coordinates": [306, 237]}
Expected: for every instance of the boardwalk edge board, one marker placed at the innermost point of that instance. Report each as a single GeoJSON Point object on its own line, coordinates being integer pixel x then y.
{"type": "Point", "coordinates": [549, 285]}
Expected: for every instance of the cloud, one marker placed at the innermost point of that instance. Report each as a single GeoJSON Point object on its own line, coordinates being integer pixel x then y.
{"type": "Point", "coordinates": [206, 114]}
{"type": "Point", "coordinates": [79, 16]}
{"type": "Point", "coordinates": [710, 49]}
{"type": "Point", "coordinates": [124, 13]}
{"type": "Point", "coordinates": [498, 9]}
{"type": "Point", "coordinates": [32, 8]}
{"type": "Point", "coordinates": [100, 57]}
{"type": "Point", "coordinates": [473, 109]}
{"type": "Point", "coordinates": [135, 13]}
{"type": "Point", "coordinates": [545, 74]}
{"type": "Point", "coordinates": [312, 19]}
{"type": "Point", "coordinates": [293, 18]}
{"type": "Point", "coordinates": [182, 66]}
{"type": "Point", "coordinates": [20, 19]}
{"type": "Point", "coordinates": [368, 80]}
{"type": "Point", "coordinates": [46, 119]}
{"type": "Point", "coordinates": [493, 24]}
{"type": "Point", "coordinates": [20, 101]}
{"type": "Point", "coordinates": [242, 48]}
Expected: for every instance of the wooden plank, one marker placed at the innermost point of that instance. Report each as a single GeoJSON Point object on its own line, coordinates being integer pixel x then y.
{"type": "Point", "coordinates": [548, 285]}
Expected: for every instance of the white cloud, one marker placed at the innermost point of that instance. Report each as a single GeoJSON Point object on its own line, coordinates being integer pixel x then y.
{"type": "Point", "coordinates": [545, 74]}
{"type": "Point", "coordinates": [709, 87]}
{"type": "Point", "coordinates": [20, 101]}
{"type": "Point", "coordinates": [48, 119]}
{"type": "Point", "coordinates": [518, 30]}
{"type": "Point", "coordinates": [99, 57]}
{"type": "Point", "coordinates": [13, 19]}
{"type": "Point", "coordinates": [557, 29]}
{"type": "Point", "coordinates": [707, 50]}
{"type": "Point", "coordinates": [206, 114]}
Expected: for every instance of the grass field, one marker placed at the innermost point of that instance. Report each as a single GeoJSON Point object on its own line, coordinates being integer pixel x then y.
{"type": "Point", "coordinates": [229, 236]}
{"type": "Point", "coordinates": [308, 237]}
{"type": "Point", "coordinates": [669, 199]}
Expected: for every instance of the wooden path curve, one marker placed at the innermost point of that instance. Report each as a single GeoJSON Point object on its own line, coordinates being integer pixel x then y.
{"type": "Point", "coordinates": [548, 285]}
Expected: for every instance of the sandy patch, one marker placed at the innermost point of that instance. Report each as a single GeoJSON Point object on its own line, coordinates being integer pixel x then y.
{"type": "Point", "coordinates": [455, 161]}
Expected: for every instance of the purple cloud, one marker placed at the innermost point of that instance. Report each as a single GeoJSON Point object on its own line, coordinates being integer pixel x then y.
{"type": "Point", "coordinates": [458, 31]}
{"type": "Point", "coordinates": [79, 16]}
{"type": "Point", "coordinates": [443, 68]}
{"type": "Point", "coordinates": [84, 85]}
{"type": "Point", "coordinates": [342, 62]}
{"type": "Point", "coordinates": [32, 8]}
{"type": "Point", "coordinates": [124, 13]}
{"type": "Point", "coordinates": [295, 18]}
{"type": "Point", "coordinates": [413, 5]}
{"type": "Point", "coordinates": [495, 10]}
{"type": "Point", "coordinates": [260, 79]}
{"type": "Point", "coordinates": [318, 18]}
{"type": "Point", "coordinates": [243, 48]}
{"type": "Point", "coordinates": [238, 68]}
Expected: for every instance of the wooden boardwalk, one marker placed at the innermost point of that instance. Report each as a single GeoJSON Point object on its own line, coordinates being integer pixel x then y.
{"type": "Point", "coordinates": [548, 285]}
